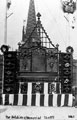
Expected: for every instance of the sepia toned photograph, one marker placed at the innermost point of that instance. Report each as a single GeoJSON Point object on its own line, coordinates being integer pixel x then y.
{"type": "Point", "coordinates": [38, 59]}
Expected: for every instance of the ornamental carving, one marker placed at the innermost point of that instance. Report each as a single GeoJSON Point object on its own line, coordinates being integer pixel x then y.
{"type": "Point", "coordinates": [39, 60]}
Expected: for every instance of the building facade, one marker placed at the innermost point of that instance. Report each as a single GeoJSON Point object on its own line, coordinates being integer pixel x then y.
{"type": "Point", "coordinates": [37, 74]}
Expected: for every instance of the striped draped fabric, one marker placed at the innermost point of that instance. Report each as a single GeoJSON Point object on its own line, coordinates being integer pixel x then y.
{"type": "Point", "coordinates": [37, 94]}
{"type": "Point", "coordinates": [55, 100]}
{"type": "Point", "coordinates": [41, 87]}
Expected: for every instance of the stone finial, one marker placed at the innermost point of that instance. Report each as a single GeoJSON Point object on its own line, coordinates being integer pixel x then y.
{"type": "Point", "coordinates": [38, 15]}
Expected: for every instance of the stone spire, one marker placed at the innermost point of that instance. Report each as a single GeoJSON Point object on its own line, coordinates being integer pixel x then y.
{"type": "Point", "coordinates": [31, 21]}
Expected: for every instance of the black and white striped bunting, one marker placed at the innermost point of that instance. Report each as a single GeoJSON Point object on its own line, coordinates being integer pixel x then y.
{"type": "Point", "coordinates": [55, 100]}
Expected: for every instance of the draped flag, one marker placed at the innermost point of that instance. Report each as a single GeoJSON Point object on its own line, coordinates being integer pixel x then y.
{"type": "Point", "coordinates": [53, 87]}
{"type": "Point", "coordinates": [24, 88]}
{"type": "Point", "coordinates": [37, 87]}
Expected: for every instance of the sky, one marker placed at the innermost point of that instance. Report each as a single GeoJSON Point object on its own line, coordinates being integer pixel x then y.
{"type": "Point", "coordinates": [52, 17]}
